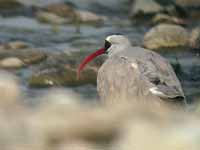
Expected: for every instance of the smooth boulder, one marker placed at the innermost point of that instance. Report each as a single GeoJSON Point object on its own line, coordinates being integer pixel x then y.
{"type": "Point", "coordinates": [143, 7]}
{"type": "Point", "coordinates": [166, 36]}
{"type": "Point", "coordinates": [60, 69]}
{"type": "Point", "coordinates": [195, 38]}
{"type": "Point", "coordinates": [11, 63]}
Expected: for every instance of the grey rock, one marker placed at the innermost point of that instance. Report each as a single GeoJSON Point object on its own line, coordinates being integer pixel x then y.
{"type": "Point", "coordinates": [60, 69]}
{"type": "Point", "coordinates": [145, 7]}
{"type": "Point", "coordinates": [11, 62]}
{"type": "Point", "coordinates": [188, 3]}
{"type": "Point", "coordinates": [164, 18]}
{"type": "Point", "coordinates": [166, 35]}
{"type": "Point", "coordinates": [195, 38]}
{"type": "Point", "coordinates": [89, 17]}
{"type": "Point", "coordinates": [17, 58]}
{"type": "Point", "coordinates": [46, 17]}
{"type": "Point", "coordinates": [10, 4]}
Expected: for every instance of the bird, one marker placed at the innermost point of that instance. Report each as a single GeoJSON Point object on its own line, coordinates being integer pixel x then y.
{"type": "Point", "coordinates": [134, 73]}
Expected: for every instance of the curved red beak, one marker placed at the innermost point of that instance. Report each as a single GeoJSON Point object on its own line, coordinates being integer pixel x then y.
{"type": "Point", "coordinates": [88, 59]}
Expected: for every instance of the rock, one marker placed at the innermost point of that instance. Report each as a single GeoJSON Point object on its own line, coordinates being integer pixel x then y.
{"type": "Point", "coordinates": [164, 18]}
{"type": "Point", "coordinates": [13, 8]}
{"type": "Point", "coordinates": [72, 15]}
{"type": "Point", "coordinates": [105, 7]}
{"type": "Point", "coordinates": [195, 38]}
{"type": "Point", "coordinates": [192, 6]}
{"type": "Point", "coordinates": [145, 7]}
{"type": "Point", "coordinates": [31, 55]}
{"type": "Point", "coordinates": [15, 45]}
{"type": "Point", "coordinates": [10, 4]}
{"type": "Point", "coordinates": [38, 3]}
{"type": "Point", "coordinates": [61, 9]}
{"type": "Point", "coordinates": [62, 76]}
{"type": "Point", "coordinates": [166, 35]}
{"type": "Point", "coordinates": [46, 17]}
{"type": "Point", "coordinates": [11, 62]}
{"type": "Point", "coordinates": [20, 57]}
{"type": "Point", "coordinates": [151, 7]}
{"type": "Point", "coordinates": [188, 3]}
{"type": "Point", "coordinates": [89, 17]}
{"type": "Point", "coordinates": [60, 69]}
{"type": "Point", "coordinates": [79, 16]}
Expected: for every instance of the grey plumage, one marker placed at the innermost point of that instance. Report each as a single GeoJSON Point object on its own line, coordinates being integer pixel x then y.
{"type": "Point", "coordinates": [137, 73]}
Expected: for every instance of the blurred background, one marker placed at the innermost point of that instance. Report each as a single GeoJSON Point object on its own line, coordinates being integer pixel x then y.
{"type": "Point", "coordinates": [43, 41]}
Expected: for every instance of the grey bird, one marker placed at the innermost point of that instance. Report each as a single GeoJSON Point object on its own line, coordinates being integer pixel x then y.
{"type": "Point", "coordinates": [135, 73]}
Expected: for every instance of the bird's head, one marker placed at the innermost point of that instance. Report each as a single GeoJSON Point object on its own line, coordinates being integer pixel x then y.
{"type": "Point", "coordinates": [109, 41]}
{"type": "Point", "coordinates": [116, 40]}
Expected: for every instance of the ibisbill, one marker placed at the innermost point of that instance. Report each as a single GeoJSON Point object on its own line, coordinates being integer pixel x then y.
{"type": "Point", "coordinates": [134, 73]}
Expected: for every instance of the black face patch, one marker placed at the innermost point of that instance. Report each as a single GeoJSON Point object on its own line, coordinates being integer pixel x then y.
{"type": "Point", "coordinates": [107, 45]}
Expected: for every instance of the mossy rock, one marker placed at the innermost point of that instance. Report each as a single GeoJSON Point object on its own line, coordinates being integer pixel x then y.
{"type": "Point", "coordinates": [10, 4]}
{"type": "Point", "coordinates": [11, 63]}
{"type": "Point", "coordinates": [60, 9]}
{"type": "Point", "coordinates": [164, 18]}
{"type": "Point", "coordinates": [61, 70]}
{"type": "Point", "coordinates": [145, 7]}
{"type": "Point", "coordinates": [166, 36]}
{"type": "Point", "coordinates": [14, 45]}
{"type": "Point", "coordinates": [28, 56]}
{"type": "Point", "coordinates": [62, 77]}
{"type": "Point", "coordinates": [61, 13]}
{"type": "Point", "coordinates": [195, 38]}
{"type": "Point", "coordinates": [32, 56]}
{"type": "Point", "coordinates": [50, 18]}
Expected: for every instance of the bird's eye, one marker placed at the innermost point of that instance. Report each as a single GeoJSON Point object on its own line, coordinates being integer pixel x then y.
{"type": "Point", "coordinates": [107, 44]}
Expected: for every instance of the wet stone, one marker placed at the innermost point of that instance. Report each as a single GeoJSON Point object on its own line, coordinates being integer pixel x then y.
{"type": "Point", "coordinates": [164, 18]}
{"type": "Point", "coordinates": [60, 9]}
{"type": "Point", "coordinates": [11, 62]}
{"type": "Point", "coordinates": [61, 70]}
{"type": "Point", "coordinates": [192, 6]}
{"type": "Point", "coordinates": [62, 76]}
{"type": "Point", "coordinates": [195, 38]}
{"type": "Point", "coordinates": [13, 8]}
{"type": "Point", "coordinates": [188, 3]}
{"type": "Point", "coordinates": [32, 56]}
{"type": "Point", "coordinates": [166, 36]}
{"type": "Point", "coordinates": [10, 4]}
{"type": "Point", "coordinates": [46, 17]}
{"type": "Point", "coordinates": [89, 17]}
{"type": "Point", "coordinates": [15, 45]}
{"type": "Point", "coordinates": [107, 7]}
{"type": "Point", "coordinates": [21, 57]}
{"type": "Point", "coordinates": [145, 7]}
{"type": "Point", "coordinates": [60, 13]}
{"type": "Point", "coordinates": [152, 7]}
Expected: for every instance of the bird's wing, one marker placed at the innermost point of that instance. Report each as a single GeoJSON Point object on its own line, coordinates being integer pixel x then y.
{"type": "Point", "coordinates": [158, 71]}
{"type": "Point", "coordinates": [134, 75]}
{"type": "Point", "coordinates": [117, 79]}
